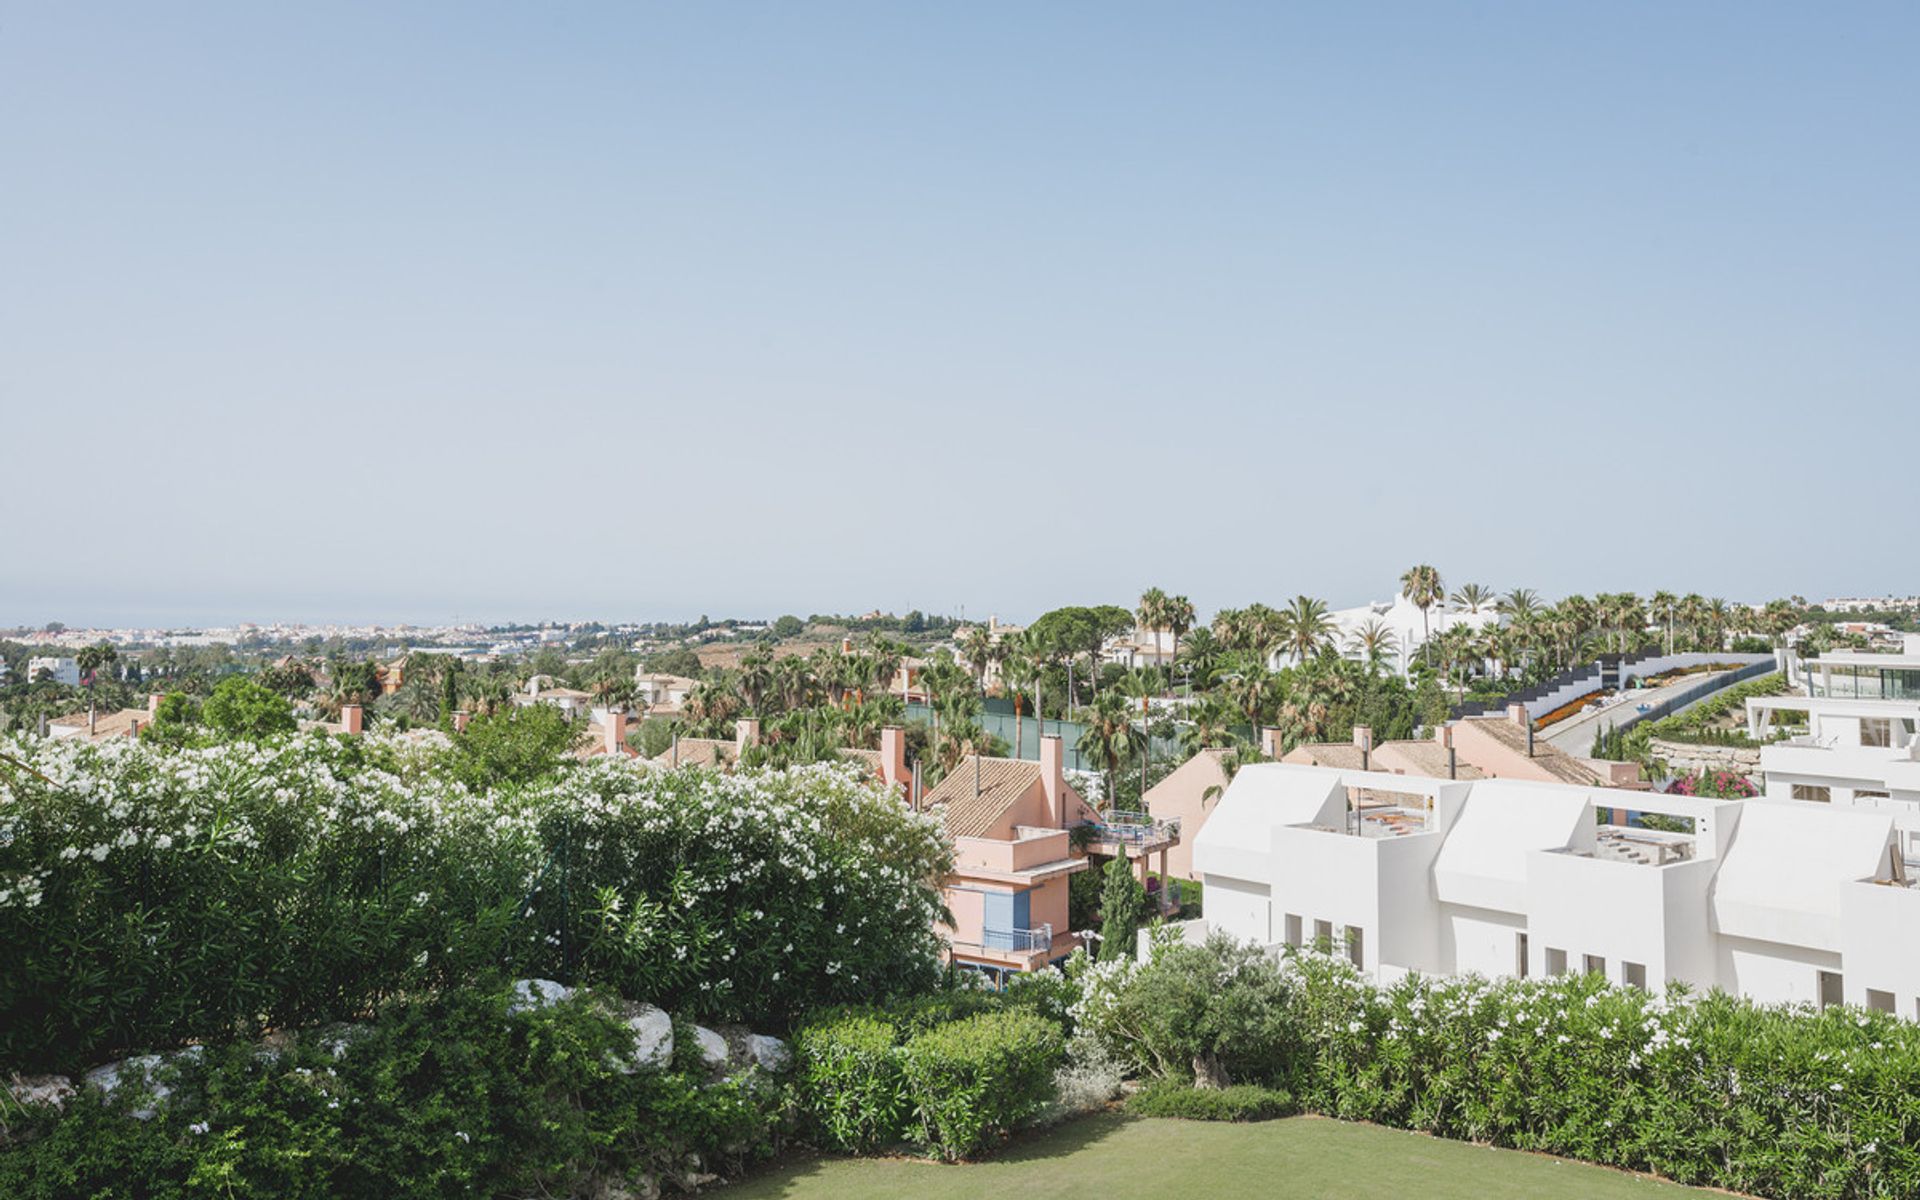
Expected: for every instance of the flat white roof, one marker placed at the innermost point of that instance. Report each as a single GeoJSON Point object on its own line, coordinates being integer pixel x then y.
{"type": "Point", "coordinates": [1863, 658]}
{"type": "Point", "coordinates": [1503, 819]}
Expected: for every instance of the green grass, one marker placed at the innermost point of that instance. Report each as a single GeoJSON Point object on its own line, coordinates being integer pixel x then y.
{"type": "Point", "coordinates": [1303, 1158]}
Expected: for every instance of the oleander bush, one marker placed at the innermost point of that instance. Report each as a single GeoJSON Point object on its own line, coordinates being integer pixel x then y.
{"type": "Point", "coordinates": [150, 897]}
{"type": "Point", "coordinates": [1183, 1101]}
{"type": "Point", "coordinates": [955, 1086]}
{"type": "Point", "coordinates": [448, 1096]}
{"type": "Point", "coordinates": [851, 1083]}
{"type": "Point", "coordinates": [975, 1080]}
{"type": "Point", "coordinates": [1780, 1101]}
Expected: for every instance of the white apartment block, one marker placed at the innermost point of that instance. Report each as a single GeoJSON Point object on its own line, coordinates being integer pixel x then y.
{"type": "Point", "coordinates": [1775, 900]}
{"type": "Point", "coordinates": [60, 670]}
{"type": "Point", "coordinates": [1860, 747]}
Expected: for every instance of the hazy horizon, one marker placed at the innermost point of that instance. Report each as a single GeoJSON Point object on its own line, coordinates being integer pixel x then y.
{"type": "Point", "coordinates": [445, 311]}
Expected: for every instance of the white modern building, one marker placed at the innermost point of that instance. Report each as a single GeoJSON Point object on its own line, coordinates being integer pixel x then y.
{"type": "Point", "coordinates": [1779, 901]}
{"type": "Point", "coordinates": [1854, 740]}
{"type": "Point", "coordinates": [1402, 618]}
{"type": "Point", "coordinates": [60, 670]}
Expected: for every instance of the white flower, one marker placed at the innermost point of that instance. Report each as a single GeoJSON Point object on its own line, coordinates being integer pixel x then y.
{"type": "Point", "coordinates": [99, 853]}
{"type": "Point", "coordinates": [198, 1127]}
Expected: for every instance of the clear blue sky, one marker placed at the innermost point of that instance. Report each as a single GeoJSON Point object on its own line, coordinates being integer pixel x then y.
{"type": "Point", "coordinates": [423, 311]}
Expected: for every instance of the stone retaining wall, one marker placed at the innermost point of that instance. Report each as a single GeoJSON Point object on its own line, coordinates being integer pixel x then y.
{"type": "Point", "coordinates": [1691, 758]}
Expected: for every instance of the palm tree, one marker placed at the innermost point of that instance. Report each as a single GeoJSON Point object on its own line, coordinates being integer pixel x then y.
{"type": "Point", "coordinates": [1373, 641]}
{"type": "Point", "coordinates": [1107, 735]}
{"type": "Point", "coordinates": [1143, 685]}
{"type": "Point", "coordinates": [1719, 615]}
{"type": "Point", "coordinates": [1201, 657]}
{"type": "Point", "coordinates": [90, 660]}
{"type": "Point", "coordinates": [1152, 610]}
{"type": "Point", "coordinates": [1179, 617]}
{"type": "Point", "coordinates": [756, 678]}
{"type": "Point", "coordinates": [1309, 629]}
{"type": "Point", "coordinates": [1018, 672]}
{"type": "Point", "coordinates": [1422, 587]}
{"type": "Point", "coordinates": [1663, 604]}
{"type": "Point", "coordinates": [1518, 603]}
{"type": "Point", "coordinates": [976, 647]}
{"type": "Point", "coordinates": [1252, 690]}
{"type": "Point", "coordinates": [1209, 723]}
{"type": "Point", "coordinates": [1472, 597]}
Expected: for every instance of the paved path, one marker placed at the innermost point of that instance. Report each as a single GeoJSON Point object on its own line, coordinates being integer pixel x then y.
{"type": "Point", "coordinates": [1575, 734]}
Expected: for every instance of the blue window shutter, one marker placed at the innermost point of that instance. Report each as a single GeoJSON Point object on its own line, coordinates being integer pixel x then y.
{"type": "Point", "coordinates": [999, 912]}
{"type": "Point", "coordinates": [1022, 910]}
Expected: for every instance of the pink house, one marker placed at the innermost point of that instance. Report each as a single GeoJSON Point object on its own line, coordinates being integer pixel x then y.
{"type": "Point", "coordinates": [1009, 820]}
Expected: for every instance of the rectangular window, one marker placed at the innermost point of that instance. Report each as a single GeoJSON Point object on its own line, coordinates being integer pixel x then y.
{"type": "Point", "coordinates": [1323, 936]}
{"type": "Point", "coordinates": [1876, 732]}
{"type": "Point", "coordinates": [1634, 974]}
{"type": "Point", "coordinates": [1520, 955]}
{"type": "Point", "coordinates": [1293, 929]}
{"type": "Point", "coordinates": [1355, 954]}
{"type": "Point", "coordinates": [1879, 1001]}
{"type": "Point", "coordinates": [1594, 964]}
{"type": "Point", "coordinates": [1556, 961]}
{"type": "Point", "coordinates": [1832, 990]}
{"type": "Point", "coordinates": [1814, 792]}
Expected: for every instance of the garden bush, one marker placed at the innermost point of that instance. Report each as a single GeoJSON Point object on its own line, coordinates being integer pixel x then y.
{"type": "Point", "coordinates": [150, 897]}
{"type": "Point", "coordinates": [974, 1080]}
{"type": "Point", "coordinates": [446, 1097]}
{"type": "Point", "coordinates": [918, 1072]}
{"type": "Point", "coordinates": [851, 1082]}
{"type": "Point", "coordinates": [1240, 1102]}
{"type": "Point", "coordinates": [1781, 1101]}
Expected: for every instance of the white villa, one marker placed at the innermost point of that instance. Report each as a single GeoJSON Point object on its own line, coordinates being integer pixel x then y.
{"type": "Point", "coordinates": [1860, 748]}
{"type": "Point", "coordinates": [1401, 617]}
{"type": "Point", "coordinates": [1776, 900]}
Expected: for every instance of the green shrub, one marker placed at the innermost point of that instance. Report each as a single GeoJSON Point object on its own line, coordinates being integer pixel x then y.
{"type": "Point", "coordinates": [440, 1098]}
{"type": "Point", "coordinates": [1240, 1102]}
{"type": "Point", "coordinates": [851, 1082]}
{"type": "Point", "coordinates": [152, 897]}
{"type": "Point", "coordinates": [972, 1081]}
{"type": "Point", "coordinates": [1781, 1101]}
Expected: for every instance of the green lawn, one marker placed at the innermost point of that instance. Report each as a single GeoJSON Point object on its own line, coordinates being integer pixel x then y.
{"type": "Point", "coordinates": [1303, 1158]}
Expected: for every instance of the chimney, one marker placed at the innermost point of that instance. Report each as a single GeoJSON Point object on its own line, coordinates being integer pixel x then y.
{"type": "Point", "coordinates": [1269, 740]}
{"type": "Point", "coordinates": [351, 718]}
{"type": "Point", "coordinates": [1054, 779]}
{"type": "Point", "coordinates": [460, 719]}
{"type": "Point", "coordinates": [893, 756]}
{"type": "Point", "coordinates": [746, 732]}
{"type": "Point", "coordinates": [153, 703]}
{"type": "Point", "coordinates": [1444, 735]}
{"type": "Point", "coordinates": [846, 645]}
{"type": "Point", "coordinates": [1363, 739]}
{"type": "Point", "coordinates": [615, 724]}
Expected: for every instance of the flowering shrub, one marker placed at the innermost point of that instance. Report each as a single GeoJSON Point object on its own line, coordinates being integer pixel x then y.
{"type": "Point", "coordinates": [1769, 1100]}
{"type": "Point", "coordinates": [148, 897]}
{"type": "Point", "coordinates": [1720, 785]}
{"type": "Point", "coordinates": [448, 1096]}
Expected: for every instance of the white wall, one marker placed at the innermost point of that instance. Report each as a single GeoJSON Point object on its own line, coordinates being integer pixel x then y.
{"type": "Point", "coordinates": [1239, 907]}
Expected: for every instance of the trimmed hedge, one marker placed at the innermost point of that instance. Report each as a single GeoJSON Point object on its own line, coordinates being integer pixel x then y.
{"type": "Point", "coordinates": [868, 1081]}
{"type": "Point", "coordinates": [1241, 1102]}
{"type": "Point", "coordinates": [974, 1080]}
{"type": "Point", "coordinates": [445, 1097]}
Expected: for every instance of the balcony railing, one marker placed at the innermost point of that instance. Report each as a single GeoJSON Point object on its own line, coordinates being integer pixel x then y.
{"type": "Point", "coordinates": [1020, 940]}
{"type": "Point", "coordinates": [1134, 828]}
